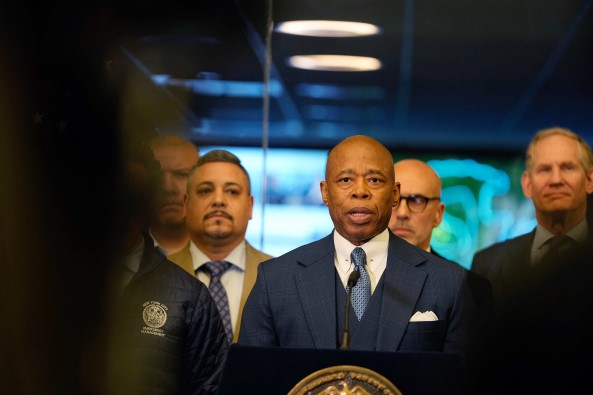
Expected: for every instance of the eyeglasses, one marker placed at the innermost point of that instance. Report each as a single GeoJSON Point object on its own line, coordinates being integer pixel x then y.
{"type": "Point", "coordinates": [417, 203]}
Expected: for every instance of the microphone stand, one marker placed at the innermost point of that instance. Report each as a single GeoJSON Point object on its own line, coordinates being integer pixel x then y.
{"type": "Point", "coordinates": [352, 280]}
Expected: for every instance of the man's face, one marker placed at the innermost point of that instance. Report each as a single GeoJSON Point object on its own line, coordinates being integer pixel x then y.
{"type": "Point", "coordinates": [416, 178]}
{"type": "Point", "coordinates": [176, 162]}
{"type": "Point", "coordinates": [218, 204]}
{"type": "Point", "coordinates": [557, 183]}
{"type": "Point", "coordinates": [359, 189]}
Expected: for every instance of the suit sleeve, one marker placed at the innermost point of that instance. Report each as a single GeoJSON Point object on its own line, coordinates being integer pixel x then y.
{"type": "Point", "coordinates": [461, 331]}
{"type": "Point", "coordinates": [257, 327]}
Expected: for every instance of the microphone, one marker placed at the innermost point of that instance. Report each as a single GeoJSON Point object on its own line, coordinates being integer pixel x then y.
{"type": "Point", "coordinates": [352, 280]}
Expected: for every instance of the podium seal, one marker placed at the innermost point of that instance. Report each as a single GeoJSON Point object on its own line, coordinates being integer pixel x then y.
{"type": "Point", "coordinates": [345, 380]}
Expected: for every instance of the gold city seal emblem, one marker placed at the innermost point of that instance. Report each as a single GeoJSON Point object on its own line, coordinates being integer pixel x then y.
{"type": "Point", "coordinates": [345, 380]}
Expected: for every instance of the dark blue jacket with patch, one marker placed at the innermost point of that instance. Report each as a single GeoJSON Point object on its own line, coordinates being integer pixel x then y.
{"type": "Point", "coordinates": [168, 335]}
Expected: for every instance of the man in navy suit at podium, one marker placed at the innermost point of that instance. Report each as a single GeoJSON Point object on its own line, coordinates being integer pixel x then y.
{"type": "Point", "coordinates": [415, 301]}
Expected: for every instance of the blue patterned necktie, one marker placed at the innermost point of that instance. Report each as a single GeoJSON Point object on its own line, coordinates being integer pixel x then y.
{"type": "Point", "coordinates": [361, 293]}
{"type": "Point", "coordinates": [217, 269]}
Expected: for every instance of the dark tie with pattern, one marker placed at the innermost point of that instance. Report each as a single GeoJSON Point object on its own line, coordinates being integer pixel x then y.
{"type": "Point", "coordinates": [217, 269]}
{"type": "Point", "coordinates": [556, 246]}
{"type": "Point", "coordinates": [361, 293]}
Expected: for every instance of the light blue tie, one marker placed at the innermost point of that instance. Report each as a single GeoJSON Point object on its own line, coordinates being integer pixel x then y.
{"type": "Point", "coordinates": [361, 293]}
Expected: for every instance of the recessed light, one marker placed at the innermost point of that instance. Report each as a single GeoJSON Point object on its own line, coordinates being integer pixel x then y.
{"type": "Point", "coordinates": [321, 28]}
{"type": "Point", "coordinates": [334, 62]}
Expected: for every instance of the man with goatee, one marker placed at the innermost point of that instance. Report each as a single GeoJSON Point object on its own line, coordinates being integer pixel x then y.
{"type": "Point", "coordinates": [219, 205]}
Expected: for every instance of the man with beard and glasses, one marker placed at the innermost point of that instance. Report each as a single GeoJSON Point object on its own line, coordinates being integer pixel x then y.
{"type": "Point", "coordinates": [219, 205]}
{"type": "Point", "coordinates": [167, 224]}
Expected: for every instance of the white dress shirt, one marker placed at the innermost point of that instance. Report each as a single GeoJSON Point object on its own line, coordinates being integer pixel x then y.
{"type": "Point", "coordinates": [375, 250]}
{"type": "Point", "coordinates": [232, 280]}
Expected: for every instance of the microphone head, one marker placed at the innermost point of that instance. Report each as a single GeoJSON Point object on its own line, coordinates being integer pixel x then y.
{"type": "Point", "coordinates": [353, 278]}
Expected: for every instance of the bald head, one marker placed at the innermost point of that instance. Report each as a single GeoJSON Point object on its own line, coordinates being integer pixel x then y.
{"type": "Point", "coordinates": [418, 212]}
{"type": "Point", "coordinates": [366, 145]}
{"type": "Point", "coordinates": [419, 174]}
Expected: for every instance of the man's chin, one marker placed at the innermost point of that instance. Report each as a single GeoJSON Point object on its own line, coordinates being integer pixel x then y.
{"type": "Point", "coordinates": [218, 234]}
{"type": "Point", "coordinates": [557, 207]}
{"type": "Point", "coordinates": [171, 221]}
{"type": "Point", "coordinates": [357, 235]}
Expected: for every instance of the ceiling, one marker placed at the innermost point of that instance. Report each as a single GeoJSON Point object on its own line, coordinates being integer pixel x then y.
{"type": "Point", "coordinates": [456, 74]}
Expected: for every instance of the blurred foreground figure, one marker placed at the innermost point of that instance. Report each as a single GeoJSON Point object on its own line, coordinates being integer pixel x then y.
{"type": "Point", "coordinates": [176, 156]}
{"type": "Point", "coordinates": [168, 335]}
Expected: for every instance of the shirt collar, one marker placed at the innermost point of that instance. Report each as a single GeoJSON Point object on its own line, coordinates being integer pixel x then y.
{"type": "Point", "coordinates": [375, 250]}
{"type": "Point", "coordinates": [578, 234]}
{"type": "Point", "coordinates": [157, 244]}
{"type": "Point", "coordinates": [236, 257]}
{"type": "Point", "coordinates": [132, 260]}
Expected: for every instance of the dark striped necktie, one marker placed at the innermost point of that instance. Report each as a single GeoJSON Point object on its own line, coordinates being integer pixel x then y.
{"type": "Point", "coordinates": [217, 269]}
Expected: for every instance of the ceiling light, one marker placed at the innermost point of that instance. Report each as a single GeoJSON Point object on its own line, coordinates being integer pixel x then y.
{"type": "Point", "coordinates": [334, 63]}
{"type": "Point", "coordinates": [328, 28]}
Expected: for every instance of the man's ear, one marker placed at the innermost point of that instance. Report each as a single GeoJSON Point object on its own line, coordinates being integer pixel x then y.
{"type": "Point", "coordinates": [589, 182]}
{"type": "Point", "coordinates": [250, 206]}
{"type": "Point", "coordinates": [323, 188]}
{"type": "Point", "coordinates": [440, 213]}
{"type": "Point", "coordinates": [396, 194]}
{"type": "Point", "coordinates": [526, 184]}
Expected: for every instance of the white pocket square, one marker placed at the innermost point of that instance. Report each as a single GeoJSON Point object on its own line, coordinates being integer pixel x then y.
{"type": "Point", "coordinates": [426, 316]}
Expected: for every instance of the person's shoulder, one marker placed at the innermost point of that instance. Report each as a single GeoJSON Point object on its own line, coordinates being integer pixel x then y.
{"type": "Point", "coordinates": [304, 254]}
{"type": "Point", "coordinates": [510, 244]}
{"type": "Point", "coordinates": [174, 275]}
{"type": "Point", "coordinates": [182, 254]}
{"type": "Point", "coordinates": [415, 255]}
{"type": "Point", "coordinates": [494, 258]}
{"type": "Point", "coordinates": [259, 255]}
{"type": "Point", "coordinates": [315, 248]}
{"type": "Point", "coordinates": [441, 263]}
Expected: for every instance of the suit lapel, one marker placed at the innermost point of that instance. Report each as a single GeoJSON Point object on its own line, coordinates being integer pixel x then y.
{"type": "Point", "coordinates": [402, 286]}
{"type": "Point", "coordinates": [516, 263]}
{"type": "Point", "coordinates": [315, 282]}
{"type": "Point", "coordinates": [253, 258]}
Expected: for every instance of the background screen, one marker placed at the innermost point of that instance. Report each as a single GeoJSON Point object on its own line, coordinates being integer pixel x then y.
{"type": "Point", "coordinates": [483, 198]}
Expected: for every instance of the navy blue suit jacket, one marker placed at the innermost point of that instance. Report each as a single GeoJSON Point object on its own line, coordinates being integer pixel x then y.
{"type": "Point", "coordinates": [293, 302]}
